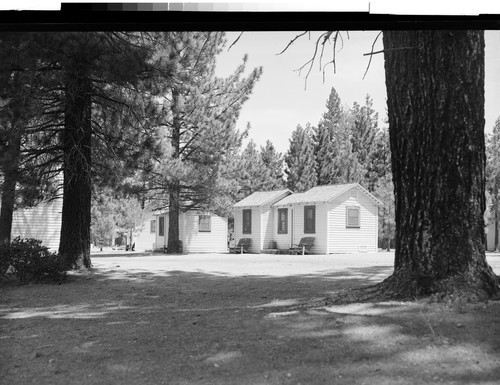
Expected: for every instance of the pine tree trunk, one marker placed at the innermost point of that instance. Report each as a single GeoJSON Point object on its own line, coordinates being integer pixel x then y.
{"type": "Point", "coordinates": [75, 228]}
{"type": "Point", "coordinates": [10, 171]}
{"type": "Point", "coordinates": [174, 245]}
{"type": "Point", "coordinates": [435, 97]}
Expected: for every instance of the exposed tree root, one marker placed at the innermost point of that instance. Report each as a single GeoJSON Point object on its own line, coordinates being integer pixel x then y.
{"type": "Point", "coordinates": [460, 288]}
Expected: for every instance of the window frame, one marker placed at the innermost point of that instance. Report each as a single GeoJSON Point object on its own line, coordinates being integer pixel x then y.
{"type": "Point", "coordinates": [152, 226]}
{"type": "Point", "coordinates": [283, 229]}
{"type": "Point", "coordinates": [161, 226]}
{"type": "Point", "coordinates": [246, 221]}
{"type": "Point", "coordinates": [309, 222]}
{"type": "Point", "coordinates": [347, 224]}
{"type": "Point", "coordinates": [204, 227]}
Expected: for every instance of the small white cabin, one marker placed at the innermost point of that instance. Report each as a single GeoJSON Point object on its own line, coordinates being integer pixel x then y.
{"type": "Point", "coordinates": [340, 218]}
{"type": "Point", "coordinates": [254, 218]}
{"type": "Point", "coordinates": [199, 232]}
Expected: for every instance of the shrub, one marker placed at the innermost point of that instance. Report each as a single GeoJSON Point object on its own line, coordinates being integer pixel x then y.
{"type": "Point", "coordinates": [31, 262]}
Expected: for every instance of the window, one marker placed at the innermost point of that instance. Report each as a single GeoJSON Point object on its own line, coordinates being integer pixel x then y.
{"type": "Point", "coordinates": [282, 221]}
{"type": "Point", "coordinates": [309, 219]}
{"type": "Point", "coordinates": [204, 223]}
{"type": "Point", "coordinates": [161, 226]}
{"type": "Point", "coordinates": [352, 217]}
{"type": "Point", "coordinates": [152, 226]}
{"type": "Point", "coordinates": [247, 221]}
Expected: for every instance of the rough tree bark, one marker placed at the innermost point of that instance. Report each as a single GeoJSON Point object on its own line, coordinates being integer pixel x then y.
{"type": "Point", "coordinates": [77, 135]}
{"type": "Point", "coordinates": [10, 168]}
{"type": "Point", "coordinates": [11, 172]}
{"type": "Point", "coordinates": [435, 96]}
{"type": "Point", "coordinates": [174, 244]}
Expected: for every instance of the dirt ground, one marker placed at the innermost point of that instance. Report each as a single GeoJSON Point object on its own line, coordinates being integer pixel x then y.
{"type": "Point", "coordinates": [232, 319]}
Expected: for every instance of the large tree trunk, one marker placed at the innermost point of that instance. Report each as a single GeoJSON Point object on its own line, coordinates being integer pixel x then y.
{"type": "Point", "coordinates": [174, 244]}
{"type": "Point", "coordinates": [10, 171]}
{"type": "Point", "coordinates": [10, 168]}
{"type": "Point", "coordinates": [75, 228]}
{"type": "Point", "coordinates": [435, 96]}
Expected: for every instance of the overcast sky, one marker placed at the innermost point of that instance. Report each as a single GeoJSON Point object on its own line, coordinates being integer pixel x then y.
{"type": "Point", "coordinates": [281, 99]}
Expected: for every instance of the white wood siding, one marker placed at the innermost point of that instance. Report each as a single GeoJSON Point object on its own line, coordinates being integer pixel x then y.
{"type": "Point", "coordinates": [266, 226]}
{"type": "Point", "coordinates": [41, 222]}
{"type": "Point", "coordinates": [255, 236]}
{"type": "Point", "coordinates": [143, 237]}
{"type": "Point", "coordinates": [194, 241]}
{"type": "Point", "coordinates": [320, 235]}
{"type": "Point", "coordinates": [353, 240]}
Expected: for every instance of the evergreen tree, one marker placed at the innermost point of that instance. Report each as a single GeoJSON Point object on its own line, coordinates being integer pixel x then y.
{"type": "Point", "coordinates": [438, 160]}
{"type": "Point", "coordinates": [327, 140]}
{"type": "Point", "coordinates": [493, 177]}
{"type": "Point", "coordinates": [299, 160]}
{"type": "Point", "coordinates": [82, 74]}
{"type": "Point", "coordinates": [199, 117]}
{"type": "Point", "coordinates": [272, 162]}
{"type": "Point", "coordinates": [364, 130]}
{"type": "Point", "coordinates": [251, 171]}
{"type": "Point", "coordinates": [25, 180]}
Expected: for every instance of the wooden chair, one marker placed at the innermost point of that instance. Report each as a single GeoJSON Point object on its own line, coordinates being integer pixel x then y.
{"type": "Point", "coordinates": [304, 247]}
{"type": "Point", "coordinates": [242, 246]}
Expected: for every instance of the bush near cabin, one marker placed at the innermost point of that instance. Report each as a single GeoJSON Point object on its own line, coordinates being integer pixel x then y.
{"type": "Point", "coordinates": [29, 261]}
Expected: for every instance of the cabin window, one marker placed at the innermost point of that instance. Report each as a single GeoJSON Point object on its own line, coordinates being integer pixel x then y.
{"type": "Point", "coordinates": [152, 226]}
{"type": "Point", "coordinates": [282, 221]}
{"type": "Point", "coordinates": [161, 226]}
{"type": "Point", "coordinates": [352, 217]}
{"type": "Point", "coordinates": [204, 223]}
{"type": "Point", "coordinates": [309, 219]}
{"type": "Point", "coordinates": [247, 221]}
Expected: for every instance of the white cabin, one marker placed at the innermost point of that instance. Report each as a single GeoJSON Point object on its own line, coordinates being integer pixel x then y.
{"type": "Point", "coordinates": [199, 232]}
{"type": "Point", "coordinates": [340, 218]}
{"type": "Point", "coordinates": [254, 218]}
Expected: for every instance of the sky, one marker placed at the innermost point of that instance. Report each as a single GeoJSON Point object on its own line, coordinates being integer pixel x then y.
{"type": "Point", "coordinates": [282, 99]}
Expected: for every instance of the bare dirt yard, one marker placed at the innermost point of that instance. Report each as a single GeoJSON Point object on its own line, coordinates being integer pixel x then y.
{"type": "Point", "coordinates": [239, 319]}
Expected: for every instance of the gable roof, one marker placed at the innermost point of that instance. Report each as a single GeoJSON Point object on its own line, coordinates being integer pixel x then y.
{"type": "Point", "coordinates": [324, 194]}
{"type": "Point", "coordinates": [261, 198]}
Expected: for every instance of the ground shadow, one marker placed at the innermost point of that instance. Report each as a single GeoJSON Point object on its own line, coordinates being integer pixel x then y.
{"type": "Point", "coordinates": [136, 327]}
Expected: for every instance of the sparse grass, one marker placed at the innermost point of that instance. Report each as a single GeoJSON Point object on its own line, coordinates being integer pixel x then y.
{"type": "Point", "coordinates": [141, 320]}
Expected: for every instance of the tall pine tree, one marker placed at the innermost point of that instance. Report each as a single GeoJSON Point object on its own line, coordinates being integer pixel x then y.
{"type": "Point", "coordinates": [299, 160]}
{"type": "Point", "coordinates": [327, 140]}
{"type": "Point", "coordinates": [200, 114]}
{"type": "Point", "coordinates": [272, 162]}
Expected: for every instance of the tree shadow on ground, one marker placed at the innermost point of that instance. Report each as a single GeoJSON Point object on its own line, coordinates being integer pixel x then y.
{"type": "Point", "coordinates": [136, 327]}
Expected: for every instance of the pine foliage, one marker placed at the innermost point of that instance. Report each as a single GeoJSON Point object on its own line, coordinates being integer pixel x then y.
{"type": "Point", "coordinates": [299, 160]}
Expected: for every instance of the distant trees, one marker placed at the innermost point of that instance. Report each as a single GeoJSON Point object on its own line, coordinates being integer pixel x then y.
{"type": "Point", "coordinates": [299, 159]}
{"type": "Point", "coordinates": [493, 178]}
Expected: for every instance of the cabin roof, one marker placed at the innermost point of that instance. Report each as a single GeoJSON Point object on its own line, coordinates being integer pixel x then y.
{"type": "Point", "coordinates": [261, 198]}
{"type": "Point", "coordinates": [323, 194]}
